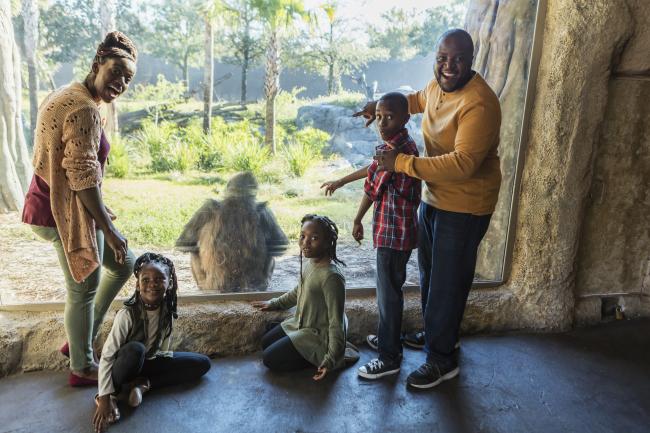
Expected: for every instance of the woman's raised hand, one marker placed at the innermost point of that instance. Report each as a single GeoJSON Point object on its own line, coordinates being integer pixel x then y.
{"type": "Point", "coordinates": [368, 112]}
{"type": "Point", "coordinates": [262, 305]}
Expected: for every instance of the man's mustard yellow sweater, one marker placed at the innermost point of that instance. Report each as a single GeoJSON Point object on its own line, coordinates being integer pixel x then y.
{"type": "Point", "coordinates": [461, 134]}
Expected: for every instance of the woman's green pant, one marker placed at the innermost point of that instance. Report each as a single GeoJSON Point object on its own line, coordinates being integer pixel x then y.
{"type": "Point", "coordinates": [87, 302]}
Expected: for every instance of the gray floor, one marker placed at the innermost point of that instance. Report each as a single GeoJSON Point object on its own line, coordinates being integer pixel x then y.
{"type": "Point", "coordinates": [591, 380]}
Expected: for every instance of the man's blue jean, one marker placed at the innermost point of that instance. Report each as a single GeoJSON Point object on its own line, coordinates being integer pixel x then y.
{"type": "Point", "coordinates": [447, 249]}
{"type": "Point", "coordinates": [391, 274]}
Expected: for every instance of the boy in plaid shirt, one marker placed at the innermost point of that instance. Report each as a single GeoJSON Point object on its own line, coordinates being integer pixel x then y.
{"type": "Point", "coordinates": [396, 197]}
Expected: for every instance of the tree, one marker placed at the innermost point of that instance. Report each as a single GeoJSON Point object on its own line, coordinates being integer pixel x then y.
{"type": "Point", "coordinates": [276, 15]}
{"type": "Point", "coordinates": [29, 13]}
{"type": "Point", "coordinates": [242, 44]}
{"type": "Point", "coordinates": [107, 13]}
{"type": "Point", "coordinates": [394, 33]}
{"type": "Point", "coordinates": [176, 35]}
{"type": "Point", "coordinates": [436, 21]}
{"type": "Point", "coordinates": [210, 10]}
{"type": "Point", "coordinates": [71, 31]}
{"type": "Point", "coordinates": [15, 168]}
{"type": "Point", "coordinates": [332, 54]}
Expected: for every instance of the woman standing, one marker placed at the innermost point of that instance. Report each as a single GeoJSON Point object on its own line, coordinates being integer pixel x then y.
{"type": "Point", "coordinates": [64, 201]}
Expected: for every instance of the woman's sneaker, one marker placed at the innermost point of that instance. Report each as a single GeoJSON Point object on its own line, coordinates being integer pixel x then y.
{"type": "Point", "coordinates": [373, 341]}
{"type": "Point", "coordinates": [430, 375]}
{"type": "Point", "coordinates": [378, 368]}
{"type": "Point", "coordinates": [415, 340]}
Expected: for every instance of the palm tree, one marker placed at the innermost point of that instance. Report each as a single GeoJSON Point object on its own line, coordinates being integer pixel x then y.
{"type": "Point", "coordinates": [276, 14]}
{"type": "Point", "coordinates": [210, 10]}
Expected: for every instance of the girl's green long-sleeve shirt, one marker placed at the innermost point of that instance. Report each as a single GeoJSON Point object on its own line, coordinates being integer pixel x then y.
{"type": "Point", "coordinates": [317, 329]}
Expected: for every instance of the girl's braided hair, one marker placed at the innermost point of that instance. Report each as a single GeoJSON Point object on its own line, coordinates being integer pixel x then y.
{"type": "Point", "coordinates": [332, 233]}
{"type": "Point", "coordinates": [170, 300]}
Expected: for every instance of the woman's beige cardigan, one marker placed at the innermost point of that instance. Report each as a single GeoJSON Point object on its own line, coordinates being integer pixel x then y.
{"type": "Point", "coordinates": [66, 143]}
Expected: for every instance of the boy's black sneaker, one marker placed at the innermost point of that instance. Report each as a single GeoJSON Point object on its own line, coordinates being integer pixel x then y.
{"type": "Point", "coordinates": [373, 341]}
{"type": "Point", "coordinates": [378, 368]}
{"type": "Point", "coordinates": [415, 340]}
{"type": "Point", "coordinates": [430, 375]}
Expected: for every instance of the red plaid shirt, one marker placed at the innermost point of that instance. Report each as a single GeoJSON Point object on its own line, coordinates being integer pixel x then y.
{"type": "Point", "coordinates": [396, 197]}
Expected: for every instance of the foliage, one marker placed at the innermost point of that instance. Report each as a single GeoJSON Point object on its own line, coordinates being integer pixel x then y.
{"type": "Point", "coordinates": [163, 141]}
{"type": "Point", "coordinates": [352, 100]}
{"type": "Point", "coordinates": [332, 53]}
{"type": "Point", "coordinates": [161, 90]}
{"type": "Point", "coordinates": [119, 160]}
{"type": "Point", "coordinates": [242, 44]}
{"type": "Point", "coordinates": [286, 103]}
{"type": "Point", "coordinates": [436, 21]}
{"type": "Point", "coordinates": [176, 35]}
{"type": "Point", "coordinates": [304, 149]}
{"type": "Point", "coordinates": [394, 33]}
{"type": "Point", "coordinates": [71, 30]}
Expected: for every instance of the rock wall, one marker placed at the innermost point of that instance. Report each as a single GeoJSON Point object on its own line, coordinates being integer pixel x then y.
{"type": "Point", "coordinates": [503, 36]}
{"type": "Point", "coordinates": [614, 253]}
{"type": "Point", "coordinates": [30, 341]}
{"type": "Point", "coordinates": [584, 41]}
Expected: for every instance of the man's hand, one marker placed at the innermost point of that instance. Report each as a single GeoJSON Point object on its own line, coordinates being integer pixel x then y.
{"type": "Point", "coordinates": [368, 112]}
{"type": "Point", "coordinates": [331, 186]}
{"type": "Point", "coordinates": [386, 160]}
{"type": "Point", "coordinates": [357, 231]}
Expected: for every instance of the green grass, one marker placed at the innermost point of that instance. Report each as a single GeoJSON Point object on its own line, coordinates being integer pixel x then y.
{"type": "Point", "coordinates": [153, 209]}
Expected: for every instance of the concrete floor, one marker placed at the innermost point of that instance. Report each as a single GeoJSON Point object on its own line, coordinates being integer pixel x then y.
{"type": "Point", "coordinates": [590, 380]}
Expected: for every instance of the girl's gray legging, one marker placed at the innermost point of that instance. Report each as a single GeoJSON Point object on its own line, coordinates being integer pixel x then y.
{"type": "Point", "coordinates": [183, 367]}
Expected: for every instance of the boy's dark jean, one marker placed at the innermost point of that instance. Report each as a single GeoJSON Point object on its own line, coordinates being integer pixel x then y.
{"type": "Point", "coordinates": [447, 248]}
{"type": "Point", "coordinates": [391, 274]}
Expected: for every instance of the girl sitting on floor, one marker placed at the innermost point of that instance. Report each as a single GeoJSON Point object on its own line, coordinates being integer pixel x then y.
{"type": "Point", "coordinates": [137, 354]}
{"type": "Point", "coordinates": [315, 334]}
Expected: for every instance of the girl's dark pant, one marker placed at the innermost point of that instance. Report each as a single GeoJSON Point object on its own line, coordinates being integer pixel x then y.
{"type": "Point", "coordinates": [279, 353]}
{"type": "Point", "coordinates": [182, 368]}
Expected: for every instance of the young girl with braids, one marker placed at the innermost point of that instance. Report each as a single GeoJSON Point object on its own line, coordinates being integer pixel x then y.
{"type": "Point", "coordinates": [137, 354]}
{"type": "Point", "coordinates": [315, 334]}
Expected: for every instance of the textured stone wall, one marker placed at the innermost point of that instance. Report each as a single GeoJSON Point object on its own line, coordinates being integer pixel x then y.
{"type": "Point", "coordinates": [503, 37]}
{"type": "Point", "coordinates": [584, 42]}
{"type": "Point", "coordinates": [614, 252]}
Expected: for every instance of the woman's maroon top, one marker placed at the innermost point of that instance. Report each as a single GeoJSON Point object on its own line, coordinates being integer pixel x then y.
{"type": "Point", "coordinates": [37, 210]}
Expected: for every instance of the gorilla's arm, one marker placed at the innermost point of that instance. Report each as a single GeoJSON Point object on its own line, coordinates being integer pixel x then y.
{"type": "Point", "coordinates": [189, 238]}
{"type": "Point", "coordinates": [276, 240]}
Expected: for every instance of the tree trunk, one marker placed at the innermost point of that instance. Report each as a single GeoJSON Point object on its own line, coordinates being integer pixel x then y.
{"type": "Point", "coordinates": [186, 72]}
{"type": "Point", "coordinates": [271, 88]}
{"type": "Point", "coordinates": [244, 78]}
{"type": "Point", "coordinates": [246, 60]}
{"type": "Point", "coordinates": [29, 14]}
{"type": "Point", "coordinates": [15, 168]}
{"type": "Point", "coordinates": [208, 75]}
{"type": "Point", "coordinates": [108, 13]}
{"type": "Point", "coordinates": [330, 78]}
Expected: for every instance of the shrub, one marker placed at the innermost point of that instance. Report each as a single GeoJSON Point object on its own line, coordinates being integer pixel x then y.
{"type": "Point", "coordinates": [167, 146]}
{"type": "Point", "coordinates": [118, 159]}
{"type": "Point", "coordinates": [304, 149]}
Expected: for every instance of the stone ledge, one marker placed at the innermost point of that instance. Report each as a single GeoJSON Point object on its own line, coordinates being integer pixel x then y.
{"type": "Point", "coordinates": [30, 340]}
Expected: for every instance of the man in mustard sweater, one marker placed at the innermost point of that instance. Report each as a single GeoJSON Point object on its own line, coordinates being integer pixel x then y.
{"type": "Point", "coordinates": [460, 166]}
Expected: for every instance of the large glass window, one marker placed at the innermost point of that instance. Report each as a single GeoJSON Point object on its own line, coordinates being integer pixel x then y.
{"type": "Point", "coordinates": [331, 57]}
